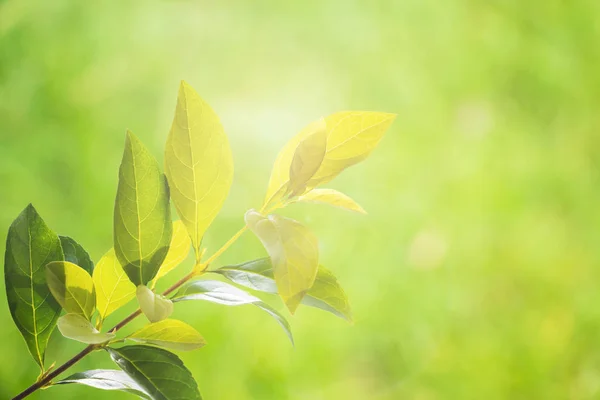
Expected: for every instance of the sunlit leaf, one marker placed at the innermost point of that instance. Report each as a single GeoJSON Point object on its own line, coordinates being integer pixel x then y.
{"type": "Point", "coordinates": [293, 250]}
{"type": "Point", "coordinates": [154, 306]}
{"type": "Point", "coordinates": [307, 160]}
{"type": "Point", "coordinates": [142, 220]}
{"type": "Point", "coordinates": [76, 254]}
{"type": "Point", "coordinates": [72, 287]}
{"type": "Point", "coordinates": [333, 197]}
{"type": "Point", "coordinates": [113, 287]}
{"type": "Point", "coordinates": [107, 379]}
{"type": "Point", "coordinates": [30, 245]}
{"type": "Point", "coordinates": [280, 175]}
{"type": "Point", "coordinates": [198, 163]}
{"type": "Point", "coordinates": [160, 373]}
{"type": "Point", "coordinates": [351, 137]}
{"type": "Point", "coordinates": [77, 327]}
{"type": "Point", "coordinates": [171, 334]}
{"type": "Point", "coordinates": [326, 293]}
{"type": "Point", "coordinates": [228, 295]}
{"type": "Point", "coordinates": [178, 250]}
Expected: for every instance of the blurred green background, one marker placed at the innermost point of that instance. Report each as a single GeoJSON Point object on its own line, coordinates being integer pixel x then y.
{"type": "Point", "coordinates": [475, 274]}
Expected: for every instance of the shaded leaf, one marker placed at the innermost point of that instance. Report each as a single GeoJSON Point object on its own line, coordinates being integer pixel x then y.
{"type": "Point", "coordinates": [107, 379]}
{"type": "Point", "coordinates": [160, 373]}
{"type": "Point", "coordinates": [113, 287]}
{"type": "Point", "coordinates": [333, 197]}
{"type": "Point", "coordinates": [326, 293]}
{"type": "Point", "coordinates": [294, 253]}
{"type": "Point", "coordinates": [178, 250]}
{"type": "Point", "coordinates": [72, 287]}
{"type": "Point", "coordinates": [76, 254]}
{"type": "Point", "coordinates": [307, 160]}
{"type": "Point", "coordinates": [154, 306]}
{"type": "Point", "coordinates": [228, 295]}
{"type": "Point", "coordinates": [171, 334]}
{"type": "Point", "coordinates": [76, 327]}
{"type": "Point", "coordinates": [142, 220]}
{"type": "Point", "coordinates": [198, 163]}
{"type": "Point", "coordinates": [30, 245]}
{"type": "Point", "coordinates": [280, 175]}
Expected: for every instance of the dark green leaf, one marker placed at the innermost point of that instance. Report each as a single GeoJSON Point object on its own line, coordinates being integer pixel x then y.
{"type": "Point", "coordinates": [326, 293]}
{"type": "Point", "coordinates": [107, 379]}
{"type": "Point", "coordinates": [31, 245]}
{"type": "Point", "coordinates": [226, 294]}
{"type": "Point", "coordinates": [76, 254]}
{"type": "Point", "coordinates": [158, 372]}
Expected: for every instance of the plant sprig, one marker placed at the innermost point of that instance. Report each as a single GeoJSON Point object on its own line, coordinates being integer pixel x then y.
{"type": "Point", "coordinates": [46, 273]}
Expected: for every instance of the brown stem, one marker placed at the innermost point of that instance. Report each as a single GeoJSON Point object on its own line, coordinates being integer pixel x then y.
{"type": "Point", "coordinates": [48, 378]}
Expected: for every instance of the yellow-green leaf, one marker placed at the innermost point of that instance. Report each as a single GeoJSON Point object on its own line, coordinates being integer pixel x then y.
{"type": "Point", "coordinates": [198, 163]}
{"type": "Point", "coordinates": [76, 327]}
{"type": "Point", "coordinates": [178, 250]}
{"type": "Point", "coordinates": [333, 197]}
{"type": "Point", "coordinates": [113, 288]}
{"type": "Point", "coordinates": [351, 137]}
{"type": "Point", "coordinates": [280, 175]}
{"type": "Point", "coordinates": [154, 306]}
{"type": "Point", "coordinates": [171, 334]}
{"type": "Point", "coordinates": [307, 160]}
{"type": "Point", "coordinates": [72, 287]}
{"type": "Point", "coordinates": [142, 221]}
{"type": "Point", "coordinates": [294, 253]}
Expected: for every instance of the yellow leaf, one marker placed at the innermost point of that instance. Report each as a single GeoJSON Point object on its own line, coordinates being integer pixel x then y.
{"type": "Point", "coordinates": [307, 160]}
{"type": "Point", "coordinates": [198, 163]}
{"type": "Point", "coordinates": [333, 197]}
{"type": "Point", "coordinates": [72, 287]}
{"type": "Point", "coordinates": [280, 176]}
{"type": "Point", "coordinates": [113, 288]}
{"type": "Point", "coordinates": [351, 137]}
{"type": "Point", "coordinates": [178, 251]}
{"type": "Point", "coordinates": [154, 306]}
{"type": "Point", "coordinates": [171, 334]}
{"type": "Point", "coordinates": [294, 254]}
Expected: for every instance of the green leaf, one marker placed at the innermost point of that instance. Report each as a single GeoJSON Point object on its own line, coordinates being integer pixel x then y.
{"type": "Point", "coordinates": [332, 197]}
{"type": "Point", "coordinates": [30, 245]}
{"type": "Point", "coordinates": [228, 295]}
{"type": "Point", "coordinates": [171, 334]}
{"type": "Point", "coordinates": [76, 327]}
{"type": "Point", "coordinates": [198, 163]}
{"type": "Point", "coordinates": [76, 254]}
{"type": "Point", "coordinates": [107, 379]}
{"type": "Point", "coordinates": [113, 288]}
{"type": "Point", "coordinates": [160, 373]}
{"type": "Point", "coordinates": [294, 252]}
{"type": "Point", "coordinates": [72, 287]}
{"type": "Point", "coordinates": [142, 222]}
{"type": "Point", "coordinates": [154, 306]}
{"type": "Point", "coordinates": [178, 250]}
{"type": "Point", "coordinates": [326, 293]}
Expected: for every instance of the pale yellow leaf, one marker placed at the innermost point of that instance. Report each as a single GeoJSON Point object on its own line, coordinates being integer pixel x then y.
{"type": "Point", "coordinates": [178, 250]}
{"type": "Point", "coordinates": [76, 327]}
{"type": "Point", "coordinates": [171, 334]}
{"type": "Point", "coordinates": [113, 287]}
{"type": "Point", "coordinates": [333, 197]}
{"type": "Point", "coordinates": [294, 253]}
{"type": "Point", "coordinates": [351, 137]}
{"type": "Point", "coordinates": [198, 163]}
{"type": "Point", "coordinates": [154, 306]}
{"type": "Point", "coordinates": [72, 287]}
